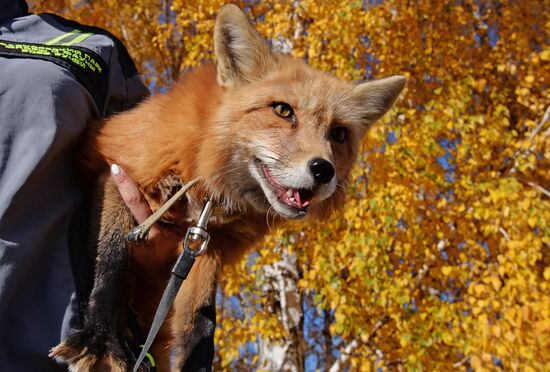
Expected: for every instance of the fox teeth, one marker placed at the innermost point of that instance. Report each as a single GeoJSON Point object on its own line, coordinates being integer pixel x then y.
{"type": "Point", "coordinates": [290, 193]}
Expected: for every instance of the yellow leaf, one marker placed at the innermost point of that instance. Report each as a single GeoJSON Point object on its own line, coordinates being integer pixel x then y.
{"type": "Point", "coordinates": [501, 349]}
{"type": "Point", "coordinates": [475, 361]}
{"type": "Point", "coordinates": [495, 281]}
{"type": "Point", "coordinates": [447, 338]}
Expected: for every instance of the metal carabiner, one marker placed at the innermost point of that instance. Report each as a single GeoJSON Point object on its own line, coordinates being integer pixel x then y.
{"type": "Point", "coordinates": [197, 238]}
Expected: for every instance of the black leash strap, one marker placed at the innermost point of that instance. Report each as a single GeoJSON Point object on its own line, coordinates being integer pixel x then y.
{"type": "Point", "coordinates": [195, 244]}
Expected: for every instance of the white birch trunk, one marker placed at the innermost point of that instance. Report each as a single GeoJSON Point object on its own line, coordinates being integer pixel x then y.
{"type": "Point", "coordinates": [280, 285]}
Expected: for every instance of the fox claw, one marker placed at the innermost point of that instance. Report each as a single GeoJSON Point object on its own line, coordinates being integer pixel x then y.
{"type": "Point", "coordinates": [138, 233]}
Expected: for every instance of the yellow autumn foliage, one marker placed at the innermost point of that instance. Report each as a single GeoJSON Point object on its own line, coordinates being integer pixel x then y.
{"type": "Point", "coordinates": [441, 257]}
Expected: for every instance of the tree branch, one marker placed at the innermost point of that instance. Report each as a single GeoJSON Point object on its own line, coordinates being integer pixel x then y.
{"type": "Point", "coordinates": [350, 348]}
{"type": "Point", "coordinates": [545, 118]}
{"type": "Point", "coordinates": [344, 356]}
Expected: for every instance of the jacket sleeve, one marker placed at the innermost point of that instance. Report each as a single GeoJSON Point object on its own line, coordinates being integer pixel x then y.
{"type": "Point", "coordinates": [126, 88]}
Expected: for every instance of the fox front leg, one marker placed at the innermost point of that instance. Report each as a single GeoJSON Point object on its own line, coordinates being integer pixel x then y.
{"type": "Point", "coordinates": [140, 232]}
{"type": "Point", "coordinates": [96, 347]}
{"type": "Point", "coordinates": [194, 319]}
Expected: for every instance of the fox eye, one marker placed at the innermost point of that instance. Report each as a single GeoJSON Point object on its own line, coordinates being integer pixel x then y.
{"type": "Point", "coordinates": [338, 134]}
{"type": "Point", "coordinates": [284, 110]}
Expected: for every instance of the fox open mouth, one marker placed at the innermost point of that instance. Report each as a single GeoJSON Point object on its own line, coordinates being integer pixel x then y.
{"type": "Point", "coordinates": [295, 198]}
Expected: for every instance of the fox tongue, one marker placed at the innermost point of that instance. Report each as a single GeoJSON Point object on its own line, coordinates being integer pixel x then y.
{"type": "Point", "coordinates": [297, 198]}
{"type": "Point", "coordinates": [292, 198]}
{"type": "Point", "coordinates": [289, 195]}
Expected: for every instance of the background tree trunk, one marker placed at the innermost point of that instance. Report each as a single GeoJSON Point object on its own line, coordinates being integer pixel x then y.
{"type": "Point", "coordinates": [280, 286]}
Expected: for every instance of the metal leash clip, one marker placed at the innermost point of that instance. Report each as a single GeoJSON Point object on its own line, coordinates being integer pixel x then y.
{"type": "Point", "coordinates": [197, 238]}
{"type": "Point", "coordinates": [195, 244]}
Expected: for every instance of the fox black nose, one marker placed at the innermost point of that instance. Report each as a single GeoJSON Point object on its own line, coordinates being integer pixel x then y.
{"type": "Point", "coordinates": [322, 170]}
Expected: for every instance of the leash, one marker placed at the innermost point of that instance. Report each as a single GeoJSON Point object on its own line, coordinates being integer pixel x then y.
{"type": "Point", "coordinates": [195, 244]}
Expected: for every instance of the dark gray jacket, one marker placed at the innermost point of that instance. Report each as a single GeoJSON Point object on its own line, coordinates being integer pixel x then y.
{"type": "Point", "coordinates": [55, 75]}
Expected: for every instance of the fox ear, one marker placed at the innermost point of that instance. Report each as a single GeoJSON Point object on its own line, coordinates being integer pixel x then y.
{"type": "Point", "coordinates": [242, 55]}
{"type": "Point", "coordinates": [373, 99]}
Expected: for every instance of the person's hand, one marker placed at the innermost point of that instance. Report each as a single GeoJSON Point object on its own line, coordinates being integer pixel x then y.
{"type": "Point", "coordinates": [156, 255]}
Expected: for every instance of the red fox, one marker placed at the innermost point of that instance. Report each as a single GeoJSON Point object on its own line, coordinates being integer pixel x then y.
{"type": "Point", "coordinates": [265, 133]}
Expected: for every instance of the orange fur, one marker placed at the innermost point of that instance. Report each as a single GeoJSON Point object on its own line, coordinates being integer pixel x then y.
{"type": "Point", "coordinates": [212, 125]}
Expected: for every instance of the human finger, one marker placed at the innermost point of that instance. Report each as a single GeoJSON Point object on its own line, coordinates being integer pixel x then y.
{"type": "Point", "coordinates": [131, 194]}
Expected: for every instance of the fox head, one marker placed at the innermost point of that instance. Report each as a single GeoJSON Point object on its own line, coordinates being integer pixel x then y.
{"type": "Point", "coordinates": [290, 133]}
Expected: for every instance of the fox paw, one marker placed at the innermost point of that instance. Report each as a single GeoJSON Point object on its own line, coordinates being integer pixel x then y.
{"type": "Point", "coordinates": [84, 351]}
